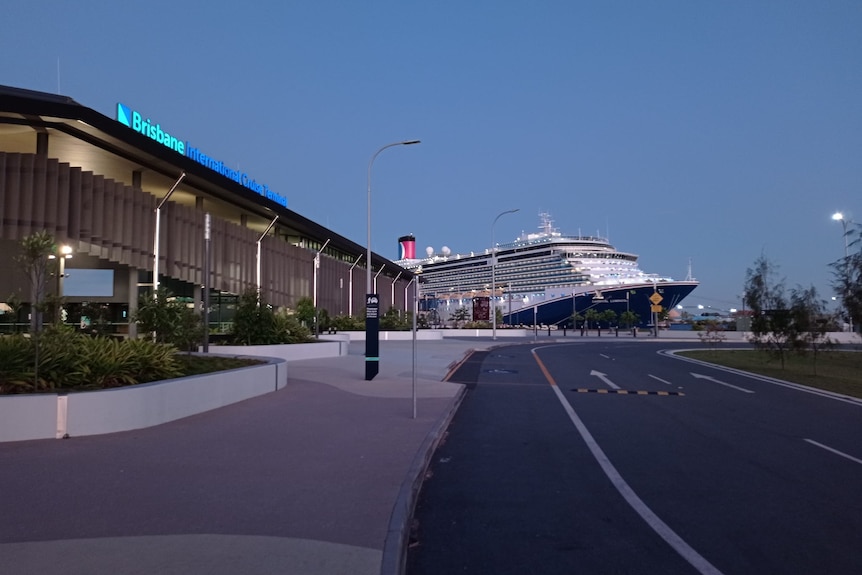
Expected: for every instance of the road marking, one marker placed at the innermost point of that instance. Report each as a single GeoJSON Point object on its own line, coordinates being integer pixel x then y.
{"type": "Point", "coordinates": [604, 377]}
{"type": "Point", "coordinates": [742, 389]}
{"type": "Point", "coordinates": [626, 392]}
{"type": "Point", "coordinates": [605, 356]}
{"type": "Point", "coordinates": [660, 527]}
{"type": "Point", "coordinates": [835, 451]}
{"type": "Point", "coordinates": [660, 379]}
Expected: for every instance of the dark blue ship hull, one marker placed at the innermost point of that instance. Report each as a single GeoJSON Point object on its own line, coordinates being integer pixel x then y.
{"type": "Point", "coordinates": [559, 311]}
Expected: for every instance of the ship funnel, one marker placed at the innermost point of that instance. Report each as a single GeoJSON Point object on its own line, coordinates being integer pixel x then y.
{"type": "Point", "coordinates": [407, 247]}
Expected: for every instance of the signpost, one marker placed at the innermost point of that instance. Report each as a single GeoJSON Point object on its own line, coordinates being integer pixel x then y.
{"type": "Point", "coordinates": [372, 335]}
{"type": "Point", "coordinates": [656, 309]}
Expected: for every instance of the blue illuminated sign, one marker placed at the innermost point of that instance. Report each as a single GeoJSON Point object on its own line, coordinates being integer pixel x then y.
{"type": "Point", "coordinates": [144, 126]}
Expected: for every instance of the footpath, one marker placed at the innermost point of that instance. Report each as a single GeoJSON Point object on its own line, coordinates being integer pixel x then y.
{"type": "Point", "coordinates": [314, 479]}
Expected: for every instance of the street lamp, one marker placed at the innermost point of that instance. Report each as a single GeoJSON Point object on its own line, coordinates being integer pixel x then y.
{"type": "Point", "coordinates": [840, 217]}
{"type": "Point", "coordinates": [372, 341]}
{"type": "Point", "coordinates": [316, 267]}
{"type": "Point", "coordinates": [350, 286]}
{"type": "Point", "coordinates": [156, 242]}
{"type": "Point", "coordinates": [64, 253]}
{"type": "Point", "coordinates": [258, 258]}
{"type": "Point", "coordinates": [494, 273]}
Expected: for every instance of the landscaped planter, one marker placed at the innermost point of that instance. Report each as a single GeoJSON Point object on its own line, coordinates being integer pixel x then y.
{"type": "Point", "coordinates": [46, 416]}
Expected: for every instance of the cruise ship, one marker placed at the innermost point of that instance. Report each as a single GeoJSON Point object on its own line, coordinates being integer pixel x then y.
{"type": "Point", "coordinates": [542, 278]}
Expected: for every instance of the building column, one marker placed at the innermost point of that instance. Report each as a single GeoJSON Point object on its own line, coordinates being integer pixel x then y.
{"type": "Point", "coordinates": [133, 301]}
{"type": "Point", "coordinates": [41, 143]}
{"type": "Point", "coordinates": [136, 179]}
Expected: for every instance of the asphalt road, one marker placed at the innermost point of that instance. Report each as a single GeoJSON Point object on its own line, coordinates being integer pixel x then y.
{"type": "Point", "coordinates": [602, 458]}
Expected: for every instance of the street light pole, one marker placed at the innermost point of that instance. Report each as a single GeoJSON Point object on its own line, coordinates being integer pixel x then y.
{"type": "Point", "coordinates": [494, 272]}
{"type": "Point", "coordinates": [314, 303]}
{"type": "Point", "coordinates": [372, 324]}
{"type": "Point", "coordinates": [156, 238]}
{"type": "Point", "coordinates": [840, 217]}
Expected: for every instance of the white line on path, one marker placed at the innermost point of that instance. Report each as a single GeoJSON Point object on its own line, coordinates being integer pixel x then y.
{"type": "Point", "coordinates": [835, 451]}
{"type": "Point", "coordinates": [605, 356]}
{"type": "Point", "coordinates": [664, 531]}
{"type": "Point", "coordinates": [659, 379]}
{"type": "Point", "coordinates": [742, 389]}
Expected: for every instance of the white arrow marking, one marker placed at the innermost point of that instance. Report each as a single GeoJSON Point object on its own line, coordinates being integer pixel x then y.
{"type": "Point", "coordinates": [604, 377]}
{"type": "Point", "coordinates": [699, 376]}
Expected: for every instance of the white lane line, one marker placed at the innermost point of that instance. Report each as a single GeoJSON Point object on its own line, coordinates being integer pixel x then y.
{"type": "Point", "coordinates": [835, 451]}
{"type": "Point", "coordinates": [660, 527]}
{"type": "Point", "coordinates": [604, 377]}
{"type": "Point", "coordinates": [742, 389]}
{"type": "Point", "coordinates": [605, 356]}
{"type": "Point", "coordinates": [659, 379]}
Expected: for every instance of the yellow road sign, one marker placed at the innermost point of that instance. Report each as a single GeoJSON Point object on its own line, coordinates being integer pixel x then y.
{"type": "Point", "coordinates": [656, 308]}
{"type": "Point", "coordinates": [655, 298]}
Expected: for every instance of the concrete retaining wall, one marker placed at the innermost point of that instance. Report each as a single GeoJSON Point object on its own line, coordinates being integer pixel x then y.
{"type": "Point", "coordinates": [288, 352]}
{"type": "Point", "coordinates": [46, 416]}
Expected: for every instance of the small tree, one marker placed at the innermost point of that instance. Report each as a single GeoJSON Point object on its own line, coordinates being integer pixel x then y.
{"type": "Point", "coordinates": [629, 318]}
{"type": "Point", "coordinates": [173, 322]}
{"type": "Point", "coordinates": [305, 312]}
{"type": "Point", "coordinates": [460, 315]}
{"type": "Point", "coordinates": [34, 258]}
{"type": "Point", "coordinates": [254, 322]}
{"type": "Point", "coordinates": [593, 316]}
{"type": "Point", "coordinates": [848, 276]}
{"type": "Point", "coordinates": [771, 319]}
{"type": "Point", "coordinates": [810, 322]}
{"type": "Point", "coordinates": [608, 316]}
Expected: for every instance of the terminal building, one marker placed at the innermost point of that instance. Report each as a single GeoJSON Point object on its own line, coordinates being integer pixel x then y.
{"type": "Point", "coordinates": [95, 184]}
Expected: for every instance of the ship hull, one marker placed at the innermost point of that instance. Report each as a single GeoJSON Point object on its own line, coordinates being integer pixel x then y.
{"type": "Point", "coordinates": [559, 311]}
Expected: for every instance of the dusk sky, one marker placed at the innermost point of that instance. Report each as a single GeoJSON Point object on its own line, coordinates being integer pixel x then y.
{"type": "Point", "coordinates": [709, 132]}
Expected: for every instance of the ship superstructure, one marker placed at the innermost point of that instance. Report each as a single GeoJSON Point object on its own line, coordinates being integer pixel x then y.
{"type": "Point", "coordinates": [537, 273]}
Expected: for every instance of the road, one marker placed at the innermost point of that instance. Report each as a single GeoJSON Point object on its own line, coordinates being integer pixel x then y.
{"type": "Point", "coordinates": [596, 457]}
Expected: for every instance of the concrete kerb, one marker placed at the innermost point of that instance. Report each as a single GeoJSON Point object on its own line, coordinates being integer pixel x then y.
{"type": "Point", "coordinates": [394, 559]}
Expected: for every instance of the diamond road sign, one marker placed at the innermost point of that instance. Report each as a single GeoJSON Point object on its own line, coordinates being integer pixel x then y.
{"type": "Point", "coordinates": [655, 298]}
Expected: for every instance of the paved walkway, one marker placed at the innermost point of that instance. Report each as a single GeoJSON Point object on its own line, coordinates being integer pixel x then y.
{"type": "Point", "coordinates": [313, 479]}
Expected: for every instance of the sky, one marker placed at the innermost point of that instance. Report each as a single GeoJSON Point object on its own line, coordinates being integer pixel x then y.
{"type": "Point", "coordinates": [698, 135]}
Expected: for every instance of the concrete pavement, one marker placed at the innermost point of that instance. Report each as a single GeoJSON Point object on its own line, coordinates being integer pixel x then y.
{"type": "Point", "coordinates": [316, 478]}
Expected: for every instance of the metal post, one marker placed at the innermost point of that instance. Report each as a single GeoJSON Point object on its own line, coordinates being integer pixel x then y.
{"type": "Point", "coordinates": [371, 325]}
{"type": "Point", "coordinates": [259, 240]}
{"type": "Point", "coordinates": [350, 287]}
{"type": "Point", "coordinates": [158, 233]}
{"type": "Point", "coordinates": [206, 310]}
{"type": "Point", "coordinates": [494, 273]}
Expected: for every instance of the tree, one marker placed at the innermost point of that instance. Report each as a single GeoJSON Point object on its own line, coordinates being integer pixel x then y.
{"type": "Point", "coordinates": [34, 257]}
{"type": "Point", "coordinates": [608, 316]}
{"type": "Point", "coordinates": [173, 322]}
{"type": "Point", "coordinates": [254, 322]}
{"type": "Point", "coordinates": [629, 318]}
{"type": "Point", "coordinates": [461, 314]}
{"type": "Point", "coordinates": [810, 321]}
{"type": "Point", "coordinates": [593, 316]}
{"type": "Point", "coordinates": [848, 277]}
{"type": "Point", "coordinates": [771, 318]}
{"type": "Point", "coordinates": [305, 312]}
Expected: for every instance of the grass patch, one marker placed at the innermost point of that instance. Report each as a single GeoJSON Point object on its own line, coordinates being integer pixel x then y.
{"type": "Point", "coordinates": [837, 371]}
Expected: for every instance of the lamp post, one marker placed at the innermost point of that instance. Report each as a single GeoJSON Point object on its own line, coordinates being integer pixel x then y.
{"type": "Point", "coordinates": [372, 324]}
{"type": "Point", "coordinates": [840, 217]}
{"type": "Point", "coordinates": [314, 303]}
{"type": "Point", "coordinates": [260, 239]}
{"type": "Point", "coordinates": [63, 253]}
{"type": "Point", "coordinates": [158, 233]}
{"type": "Point", "coordinates": [350, 287]}
{"type": "Point", "coordinates": [494, 273]}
